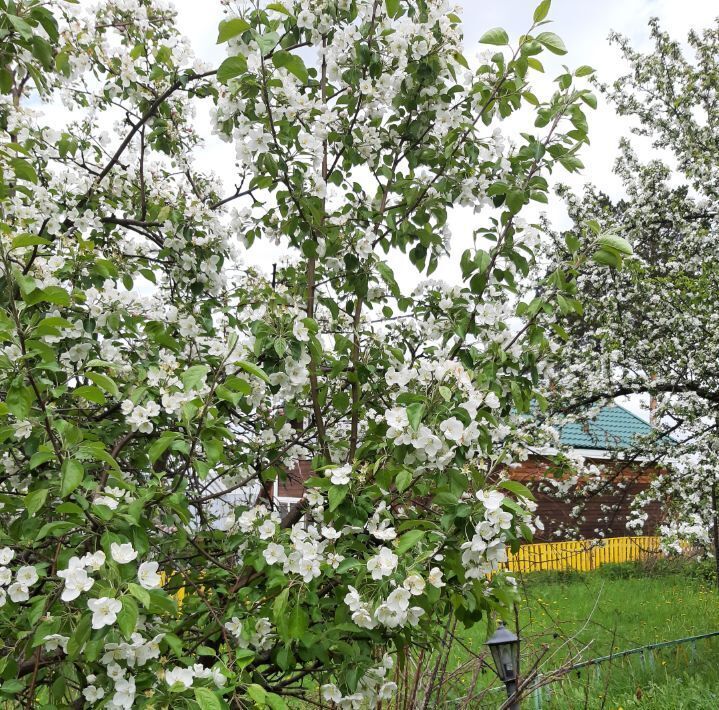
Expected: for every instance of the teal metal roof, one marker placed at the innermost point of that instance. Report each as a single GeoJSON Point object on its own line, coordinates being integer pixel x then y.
{"type": "Point", "coordinates": [613, 428]}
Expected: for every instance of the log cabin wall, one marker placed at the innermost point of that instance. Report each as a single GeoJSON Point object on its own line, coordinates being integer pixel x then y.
{"type": "Point", "coordinates": [602, 514]}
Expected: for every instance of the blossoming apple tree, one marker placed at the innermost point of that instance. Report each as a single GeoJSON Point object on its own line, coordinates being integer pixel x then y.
{"type": "Point", "coordinates": [154, 385]}
{"type": "Point", "coordinates": [651, 328]}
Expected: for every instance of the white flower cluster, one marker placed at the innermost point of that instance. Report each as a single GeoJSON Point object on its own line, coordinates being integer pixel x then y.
{"type": "Point", "coordinates": [111, 497]}
{"type": "Point", "coordinates": [259, 519]}
{"type": "Point", "coordinates": [135, 653]}
{"type": "Point", "coordinates": [430, 447]}
{"type": "Point", "coordinates": [307, 553]}
{"type": "Point", "coordinates": [260, 638]}
{"type": "Point", "coordinates": [372, 689]}
{"type": "Point", "coordinates": [139, 416]}
{"type": "Point", "coordinates": [487, 550]}
{"type": "Point", "coordinates": [293, 377]}
{"type": "Point", "coordinates": [394, 611]}
{"type": "Point", "coordinates": [185, 677]}
{"type": "Point", "coordinates": [25, 577]}
{"type": "Point", "coordinates": [379, 526]}
{"type": "Point", "coordinates": [77, 580]}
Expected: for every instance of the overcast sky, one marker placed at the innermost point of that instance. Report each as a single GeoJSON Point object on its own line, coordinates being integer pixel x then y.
{"type": "Point", "coordinates": [584, 25]}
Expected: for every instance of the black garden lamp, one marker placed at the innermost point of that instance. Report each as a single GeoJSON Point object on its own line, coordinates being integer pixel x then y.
{"type": "Point", "coordinates": [504, 646]}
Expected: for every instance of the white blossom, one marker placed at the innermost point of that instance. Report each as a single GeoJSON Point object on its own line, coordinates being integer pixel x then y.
{"type": "Point", "coordinates": [104, 611]}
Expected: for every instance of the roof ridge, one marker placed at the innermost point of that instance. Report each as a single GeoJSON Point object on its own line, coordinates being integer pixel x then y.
{"type": "Point", "coordinates": [636, 416]}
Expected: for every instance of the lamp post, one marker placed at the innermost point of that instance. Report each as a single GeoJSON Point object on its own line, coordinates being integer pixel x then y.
{"type": "Point", "coordinates": [504, 646]}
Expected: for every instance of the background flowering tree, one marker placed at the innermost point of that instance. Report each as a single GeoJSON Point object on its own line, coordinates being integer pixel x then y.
{"type": "Point", "coordinates": [651, 328]}
{"type": "Point", "coordinates": [154, 386]}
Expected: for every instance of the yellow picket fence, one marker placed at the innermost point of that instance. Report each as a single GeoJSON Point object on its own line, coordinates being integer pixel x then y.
{"type": "Point", "coordinates": [582, 555]}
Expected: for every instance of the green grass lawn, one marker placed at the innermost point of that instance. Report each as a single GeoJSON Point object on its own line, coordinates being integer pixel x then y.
{"type": "Point", "coordinates": [583, 616]}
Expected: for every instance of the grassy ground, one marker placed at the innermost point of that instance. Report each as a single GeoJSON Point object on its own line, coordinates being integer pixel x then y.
{"type": "Point", "coordinates": [583, 616]}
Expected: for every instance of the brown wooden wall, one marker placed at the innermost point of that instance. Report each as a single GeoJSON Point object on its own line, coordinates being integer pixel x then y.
{"type": "Point", "coordinates": [603, 514]}
{"type": "Point", "coordinates": [293, 486]}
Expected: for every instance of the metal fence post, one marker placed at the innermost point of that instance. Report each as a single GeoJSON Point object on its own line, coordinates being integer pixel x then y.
{"type": "Point", "coordinates": [537, 694]}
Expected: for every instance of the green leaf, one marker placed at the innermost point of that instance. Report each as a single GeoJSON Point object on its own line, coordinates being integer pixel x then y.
{"type": "Point", "coordinates": [28, 240]}
{"type": "Point", "coordinates": [19, 400]}
{"type": "Point", "coordinates": [298, 623]}
{"type": "Point", "coordinates": [336, 495]}
{"type": "Point", "coordinates": [253, 370]}
{"type": "Point", "coordinates": [79, 636]}
{"type": "Point", "coordinates": [22, 27]}
{"type": "Point", "coordinates": [393, 7]}
{"type": "Point", "coordinates": [594, 226]}
{"type": "Point", "coordinates": [495, 36]}
{"type": "Point", "coordinates": [159, 446]}
{"type": "Point", "coordinates": [127, 618]}
{"type": "Point", "coordinates": [12, 686]}
{"type": "Point", "coordinates": [408, 540]}
{"type": "Point", "coordinates": [267, 42]}
{"type": "Point", "coordinates": [244, 656]}
{"type": "Point", "coordinates": [515, 200]}
{"type": "Point", "coordinates": [55, 322]}
{"type": "Point", "coordinates": [26, 283]}
{"type": "Point", "coordinates": [414, 414]}
{"type": "Point", "coordinates": [275, 702]}
{"type": "Point", "coordinates": [72, 474]}
{"type": "Point", "coordinates": [460, 59]}
{"type": "Point", "coordinates": [50, 294]}
{"type": "Point", "coordinates": [231, 28]}
{"type": "Point", "coordinates": [238, 384]}
{"type": "Point", "coordinates": [584, 70]}
{"type": "Point", "coordinates": [552, 42]}
{"type": "Point", "coordinates": [279, 612]}
{"type": "Point", "coordinates": [292, 63]}
{"type": "Point", "coordinates": [279, 7]}
{"type": "Point", "coordinates": [35, 500]}
{"type": "Point", "coordinates": [69, 509]}
{"type": "Point", "coordinates": [445, 499]}
{"type": "Point", "coordinates": [617, 243]}
{"type": "Point", "coordinates": [257, 693]}
{"type": "Point", "coordinates": [56, 529]}
{"type": "Point", "coordinates": [174, 644]}
{"type": "Point", "coordinates": [43, 52]}
{"type": "Point", "coordinates": [542, 10]}
{"type": "Point", "coordinates": [227, 395]}
{"type": "Point", "coordinates": [608, 258]}
{"type": "Point", "coordinates": [230, 68]}
{"type": "Point", "coordinates": [519, 489]}
{"type": "Point", "coordinates": [40, 457]}
{"type": "Point", "coordinates": [47, 20]}
{"type": "Point", "coordinates": [589, 98]}
{"type": "Point", "coordinates": [96, 450]}
{"type": "Point", "coordinates": [193, 377]}
{"type": "Point", "coordinates": [140, 593]}
{"type": "Point", "coordinates": [207, 700]}
{"type": "Point", "coordinates": [535, 64]}
{"type": "Point", "coordinates": [571, 163]}
{"type": "Point", "coordinates": [403, 479]}
{"type": "Point", "coordinates": [104, 381]}
{"type": "Point", "coordinates": [90, 393]}
{"type": "Point", "coordinates": [6, 80]}
{"type": "Point", "coordinates": [23, 170]}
